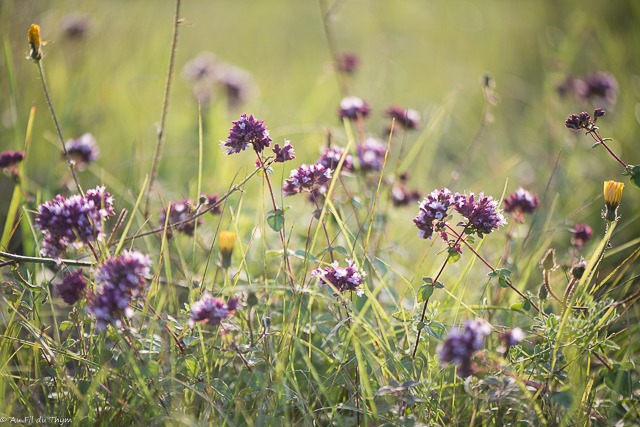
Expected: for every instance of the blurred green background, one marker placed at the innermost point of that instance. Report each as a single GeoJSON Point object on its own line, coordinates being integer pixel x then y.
{"type": "Point", "coordinates": [423, 55]}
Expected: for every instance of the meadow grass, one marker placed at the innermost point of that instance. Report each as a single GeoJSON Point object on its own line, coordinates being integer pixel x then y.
{"type": "Point", "coordinates": [212, 285]}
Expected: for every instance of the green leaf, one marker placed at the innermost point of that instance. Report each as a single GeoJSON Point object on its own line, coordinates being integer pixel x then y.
{"type": "Point", "coordinates": [563, 398]}
{"type": "Point", "coordinates": [436, 330]}
{"type": "Point", "coordinates": [453, 256]}
{"type": "Point", "coordinates": [425, 292]}
{"type": "Point", "coordinates": [619, 380]}
{"type": "Point", "coordinates": [65, 325]}
{"type": "Point", "coordinates": [502, 282]}
{"type": "Point", "coordinates": [427, 280]}
{"type": "Point", "coordinates": [517, 306]}
{"type": "Point", "coordinates": [276, 220]}
{"type": "Point", "coordinates": [302, 254]}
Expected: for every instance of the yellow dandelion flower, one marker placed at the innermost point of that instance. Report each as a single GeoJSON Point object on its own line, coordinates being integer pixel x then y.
{"type": "Point", "coordinates": [612, 199]}
{"type": "Point", "coordinates": [226, 244]}
{"type": "Point", "coordinates": [35, 43]}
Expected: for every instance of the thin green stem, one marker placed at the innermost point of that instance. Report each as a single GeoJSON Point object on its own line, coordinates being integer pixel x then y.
{"type": "Point", "coordinates": [165, 107]}
{"type": "Point", "coordinates": [57, 124]}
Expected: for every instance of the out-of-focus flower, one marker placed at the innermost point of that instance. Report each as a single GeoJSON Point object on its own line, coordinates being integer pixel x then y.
{"type": "Point", "coordinates": [226, 244]}
{"type": "Point", "coordinates": [237, 84]}
{"type": "Point", "coordinates": [343, 279]}
{"type": "Point", "coordinates": [75, 220]}
{"type": "Point", "coordinates": [371, 154]}
{"type": "Point", "coordinates": [481, 212]}
{"type": "Point", "coordinates": [119, 279]}
{"type": "Point", "coordinates": [306, 178]}
{"type": "Point", "coordinates": [353, 107]}
{"type": "Point", "coordinates": [597, 87]}
{"type": "Point", "coordinates": [519, 203]}
{"type": "Point", "coordinates": [582, 233]}
{"type": "Point", "coordinates": [612, 199]}
{"type": "Point", "coordinates": [35, 43]}
{"type": "Point", "coordinates": [433, 212]}
{"type": "Point", "coordinates": [331, 157]}
{"type": "Point", "coordinates": [284, 153]}
{"type": "Point", "coordinates": [348, 62]}
{"type": "Point", "coordinates": [72, 287]}
{"type": "Point", "coordinates": [83, 150]}
{"type": "Point", "coordinates": [460, 345]}
{"type": "Point", "coordinates": [512, 337]}
{"type": "Point", "coordinates": [245, 131]}
{"type": "Point", "coordinates": [75, 25]}
{"type": "Point", "coordinates": [9, 161]}
{"type": "Point", "coordinates": [402, 196]}
{"type": "Point", "coordinates": [406, 117]}
{"type": "Point", "coordinates": [212, 310]}
{"type": "Point", "coordinates": [179, 212]}
{"type": "Point", "coordinates": [212, 200]}
{"type": "Point", "coordinates": [202, 67]}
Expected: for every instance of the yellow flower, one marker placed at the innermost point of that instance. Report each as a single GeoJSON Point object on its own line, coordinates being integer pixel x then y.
{"type": "Point", "coordinates": [612, 199]}
{"type": "Point", "coordinates": [35, 42]}
{"type": "Point", "coordinates": [613, 193]}
{"type": "Point", "coordinates": [226, 243]}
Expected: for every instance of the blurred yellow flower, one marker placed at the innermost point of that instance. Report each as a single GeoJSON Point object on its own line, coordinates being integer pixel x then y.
{"type": "Point", "coordinates": [226, 244]}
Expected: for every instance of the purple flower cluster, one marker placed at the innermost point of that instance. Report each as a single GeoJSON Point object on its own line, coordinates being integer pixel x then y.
{"type": "Point", "coordinates": [406, 117]}
{"type": "Point", "coordinates": [83, 150]}
{"type": "Point", "coordinates": [72, 287]}
{"type": "Point", "coordinates": [343, 279]}
{"type": "Point", "coordinates": [582, 233]}
{"type": "Point", "coordinates": [74, 220]}
{"type": "Point", "coordinates": [284, 153]}
{"type": "Point", "coordinates": [511, 337]}
{"type": "Point", "coordinates": [481, 212]}
{"type": "Point", "coordinates": [461, 344]}
{"type": "Point", "coordinates": [178, 212]}
{"type": "Point", "coordinates": [119, 280]}
{"type": "Point", "coordinates": [331, 157]}
{"type": "Point", "coordinates": [245, 131]}
{"type": "Point", "coordinates": [371, 154]}
{"type": "Point", "coordinates": [433, 212]}
{"type": "Point", "coordinates": [519, 203]}
{"type": "Point", "coordinates": [9, 161]}
{"type": "Point", "coordinates": [353, 107]}
{"type": "Point", "coordinates": [75, 25]}
{"type": "Point", "coordinates": [306, 178]}
{"type": "Point", "coordinates": [212, 310]}
{"type": "Point", "coordinates": [348, 63]}
{"type": "Point", "coordinates": [599, 86]}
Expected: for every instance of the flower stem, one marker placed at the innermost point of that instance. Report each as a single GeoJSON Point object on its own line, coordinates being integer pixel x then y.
{"type": "Point", "coordinates": [57, 124]}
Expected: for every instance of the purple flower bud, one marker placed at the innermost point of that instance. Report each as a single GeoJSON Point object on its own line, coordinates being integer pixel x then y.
{"type": "Point", "coordinates": [405, 117]}
{"type": "Point", "coordinates": [179, 212]}
{"type": "Point", "coordinates": [582, 233]}
{"type": "Point", "coordinates": [460, 345]}
{"type": "Point", "coordinates": [519, 203]}
{"type": "Point", "coordinates": [212, 310]}
{"type": "Point", "coordinates": [212, 200]}
{"type": "Point", "coordinates": [573, 122]}
{"type": "Point", "coordinates": [348, 63]}
{"type": "Point", "coordinates": [352, 107]}
{"type": "Point", "coordinates": [433, 212]}
{"type": "Point", "coordinates": [245, 131]}
{"type": "Point", "coordinates": [9, 161]}
{"type": "Point", "coordinates": [83, 150]}
{"type": "Point", "coordinates": [343, 279]}
{"type": "Point", "coordinates": [331, 157]}
{"type": "Point", "coordinates": [306, 178]}
{"type": "Point", "coordinates": [72, 287]}
{"type": "Point", "coordinates": [371, 154]}
{"type": "Point", "coordinates": [284, 153]}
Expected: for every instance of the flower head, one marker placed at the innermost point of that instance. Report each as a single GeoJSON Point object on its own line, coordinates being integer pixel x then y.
{"type": "Point", "coordinates": [371, 154]}
{"type": "Point", "coordinates": [74, 220]}
{"type": "Point", "coordinates": [212, 200]}
{"type": "Point", "coordinates": [612, 199]}
{"type": "Point", "coordinates": [599, 87]}
{"type": "Point", "coordinates": [179, 212]}
{"type": "Point", "coordinates": [352, 107]}
{"type": "Point", "coordinates": [284, 153]}
{"type": "Point", "coordinates": [433, 212]}
{"type": "Point", "coordinates": [331, 156]}
{"type": "Point", "coordinates": [306, 178]}
{"type": "Point", "coordinates": [348, 63]}
{"type": "Point", "coordinates": [203, 67]}
{"type": "Point", "coordinates": [226, 244]}
{"type": "Point", "coordinates": [237, 84]}
{"type": "Point", "coordinates": [343, 279]}
{"type": "Point", "coordinates": [212, 310]}
{"type": "Point", "coordinates": [9, 161]}
{"type": "Point", "coordinates": [35, 43]}
{"type": "Point", "coordinates": [582, 233]}
{"type": "Point", "coordinates": [519, 203]}
{"type": "Point", "coordinates": [405, 117]}
{"type": "Point", "coordinates": [481, 212]}
{"type": "Point", "coordinates": [119, 279]}
{"type": "Point", "coordinates": [72, 287]}
{"type": "Point", "coordinates": [245, 131]}
{"type": "Point", "coordinates": [83, 150]}
{"type": "Point", "coordinates": [460, 345]}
